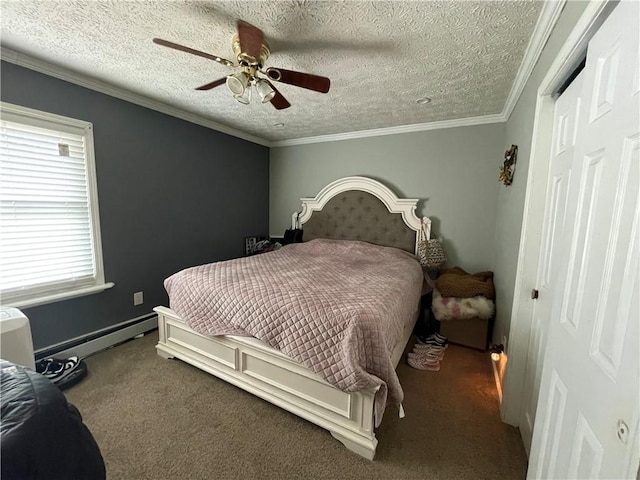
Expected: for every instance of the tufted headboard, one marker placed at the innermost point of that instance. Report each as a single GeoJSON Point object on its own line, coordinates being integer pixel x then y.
{"type": "Point", "coordinates": [360, 208]}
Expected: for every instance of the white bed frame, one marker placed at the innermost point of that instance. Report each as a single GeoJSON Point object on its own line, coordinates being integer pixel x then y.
{"type": "Point", "coordinates": [263, 371]}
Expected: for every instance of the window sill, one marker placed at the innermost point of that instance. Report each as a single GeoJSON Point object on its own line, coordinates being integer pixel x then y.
{"type": "Point", "coordinates": [56, 297]}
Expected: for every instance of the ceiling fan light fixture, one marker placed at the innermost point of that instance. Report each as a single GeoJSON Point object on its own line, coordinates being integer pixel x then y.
{"type": "Point", "coordinates": [252, 52]}
{"type": "Point", "coordinates": [265, 91]}
{"type": "Point", "coordinates": [274, 74]}
{"type": "Point", "coordinates": [238, 83]}
{"type": "Point", "coordinates": [245, 97]}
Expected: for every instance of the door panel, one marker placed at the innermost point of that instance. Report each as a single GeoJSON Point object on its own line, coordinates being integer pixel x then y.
{"type": "Point", "coordinates": [552, 426]}
{"type": "Point", "coordinates": [573, 295]}
{"type": "Point", "coordinates": [616, 303]}
{"type": "Point", "coordinates": [586, 452]}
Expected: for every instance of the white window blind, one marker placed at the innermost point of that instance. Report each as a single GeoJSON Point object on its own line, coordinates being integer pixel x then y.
{"type": "Point", "coordinates": [49, 228]}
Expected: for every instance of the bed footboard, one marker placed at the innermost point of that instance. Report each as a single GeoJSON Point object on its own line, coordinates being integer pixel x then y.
{"type": "Point", "coordinates": [268, 374]}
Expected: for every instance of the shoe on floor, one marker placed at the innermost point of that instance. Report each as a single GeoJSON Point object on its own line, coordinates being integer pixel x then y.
{"type": "Point", "coordinates": [428, 352]}
{"type": "Point", "coordinates": [426, 355]}
{"type": "Point", "coordinates": [417, 348]}
{"type": "Point", "coordinates": [434, 336]}
{"type": "Point", "coordinates": [432, 341]}
{"type": "Point", "coordinates": [73, 377]}
{"type": "Point", "coordinates": [424, 346]}
{"type": "Point", "coordinates": [56, 369]}
{"type": "Point", "coordinates": [432, 366]}
{"type": "Point", "coordinates": [49, 366]}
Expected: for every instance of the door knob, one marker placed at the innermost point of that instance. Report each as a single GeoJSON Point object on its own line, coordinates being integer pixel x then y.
{"type": "Point", "coordinates": [623, 431]}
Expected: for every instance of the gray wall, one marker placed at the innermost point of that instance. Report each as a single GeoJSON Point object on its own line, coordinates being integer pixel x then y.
{"type": "Point", "coordinates": [452, 171]}
{"type": "Point", "coordinates": [172, 194]}
{"type": "Point", "coordinates": [519, 131]}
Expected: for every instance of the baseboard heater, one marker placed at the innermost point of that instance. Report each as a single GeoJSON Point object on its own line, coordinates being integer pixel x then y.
{"type": "Point", "coordinates": [94, 342]}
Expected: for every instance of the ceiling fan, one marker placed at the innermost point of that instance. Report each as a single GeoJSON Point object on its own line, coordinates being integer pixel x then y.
{"type": "Point", "coordinates": [252, 51]}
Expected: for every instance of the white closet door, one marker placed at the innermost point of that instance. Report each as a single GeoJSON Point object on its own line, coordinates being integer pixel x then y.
{"type": "Point", "coordinates": [565, 127]}
{"type": "Point", "coordinates": [587, 418]}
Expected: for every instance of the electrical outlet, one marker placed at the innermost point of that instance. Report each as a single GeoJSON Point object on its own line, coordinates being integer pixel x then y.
{"type": "Point", "coordinates": [138, 298]}
{"type": "Point", "coordinates": [249, 244]}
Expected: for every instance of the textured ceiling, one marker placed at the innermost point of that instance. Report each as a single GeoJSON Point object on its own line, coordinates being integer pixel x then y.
{"type": "Point", "coordinates": [380, 56]}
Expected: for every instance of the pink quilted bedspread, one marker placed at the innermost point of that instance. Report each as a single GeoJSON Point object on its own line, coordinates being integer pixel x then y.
{"type": "Point", "coordinates": [338, 307]}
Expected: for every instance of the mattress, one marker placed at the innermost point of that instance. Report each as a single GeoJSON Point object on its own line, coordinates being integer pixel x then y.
{"type": "Point", "coordinates": [340, 308]}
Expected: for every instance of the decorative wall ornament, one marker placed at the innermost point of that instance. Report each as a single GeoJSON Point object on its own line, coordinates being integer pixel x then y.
{"type": "Point", "coordinates": [509, 166]}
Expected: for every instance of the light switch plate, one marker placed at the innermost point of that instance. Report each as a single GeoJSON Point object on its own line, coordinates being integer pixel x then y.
{"type": "Point", "coordinates": [138, 298]}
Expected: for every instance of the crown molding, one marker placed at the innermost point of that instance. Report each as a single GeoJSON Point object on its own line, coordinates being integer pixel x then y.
{"type": "Point", "coordinates": [52, 70]}
{"type": "Point", "coordinates": [377, 132]}
{"type": "Point", "coordinates": [547, 20]}
{"type": "Point", "coordinates": [76, 78]}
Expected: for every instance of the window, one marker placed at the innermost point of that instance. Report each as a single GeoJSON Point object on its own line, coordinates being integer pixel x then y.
{"type": "Point", "coordinates": [50, 245]}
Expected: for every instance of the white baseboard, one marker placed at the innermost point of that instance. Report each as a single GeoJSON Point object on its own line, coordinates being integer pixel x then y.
{"type": "Point", "coordinates": [103, 342]}
{"type": "Point", "coordinates": [496, 376]}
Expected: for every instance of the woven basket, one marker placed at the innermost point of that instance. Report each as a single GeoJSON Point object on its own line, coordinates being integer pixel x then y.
{"type": "Point", "coordinates": [431, 253]}
{"type": "Point", "coordinates": [436, 256]}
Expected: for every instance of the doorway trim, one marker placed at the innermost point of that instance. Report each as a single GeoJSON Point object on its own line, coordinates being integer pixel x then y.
{"type": "Point", "coordinates": [565, 62]}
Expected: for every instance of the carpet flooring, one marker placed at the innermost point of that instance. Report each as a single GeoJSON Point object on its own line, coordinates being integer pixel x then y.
{"type": "Point", "coordinates": [162, 419]}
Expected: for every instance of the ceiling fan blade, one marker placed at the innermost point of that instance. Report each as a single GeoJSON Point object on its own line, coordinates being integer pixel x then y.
{"type": "Point", "coordinates": [251, 39]}
{"type": "Point", "coordinates": [299, 79]}
{"type": "Point", "coordinates": [182, 48]}
{"type": "Point", "coordinates": [213, 84]}
{"type": "Point", "coordinates": [278, 100]}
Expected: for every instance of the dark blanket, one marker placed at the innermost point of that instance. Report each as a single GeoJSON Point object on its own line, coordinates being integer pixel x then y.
{"type": "Point", "coordinates": [42, 435]}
